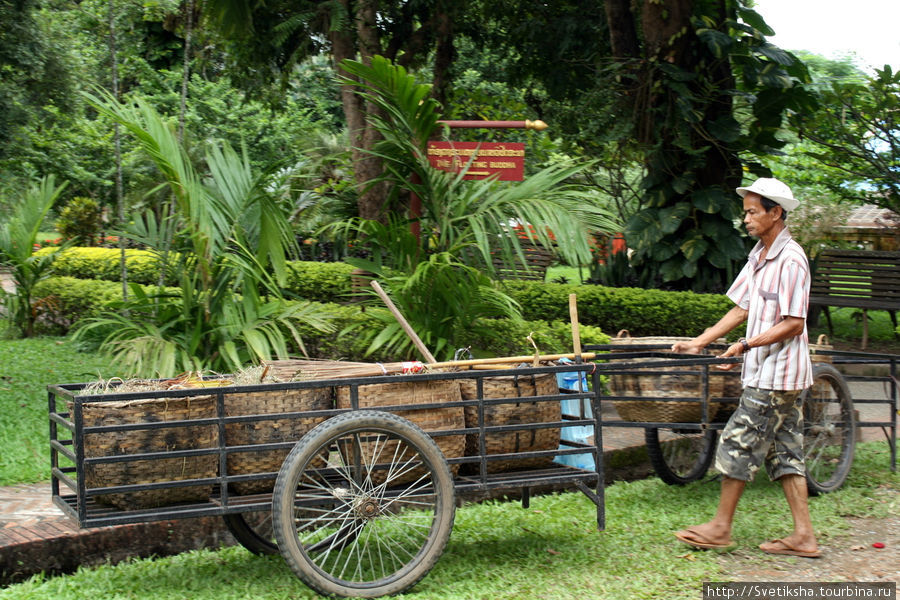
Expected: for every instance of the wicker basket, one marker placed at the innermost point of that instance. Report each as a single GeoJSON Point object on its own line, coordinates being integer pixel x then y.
{"type": "Point", "coordinates": [138, 441]}
{"type": "Point", "coordinates": [661, 382]}
{"type": "Point", "coordinates": [269, 431]}
{"type": "Point", "coordinates": [518, 413]}
{"type": "Point", "coordinates": [430, 420]}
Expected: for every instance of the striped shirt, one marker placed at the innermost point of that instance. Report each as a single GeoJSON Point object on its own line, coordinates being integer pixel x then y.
{"type": "Point", "coordinates": [769, 291]}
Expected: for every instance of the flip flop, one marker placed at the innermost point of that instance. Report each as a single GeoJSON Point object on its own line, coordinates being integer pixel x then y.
{"type": "Point", "coordinates": [692, 537]}
{"type": "Point", "coordinates": [787, 549]}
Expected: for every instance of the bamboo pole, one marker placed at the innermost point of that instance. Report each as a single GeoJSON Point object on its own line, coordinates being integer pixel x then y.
{"type": "Point", "coordinates": [576, 332]}
{"type": "Point", "coordinates": [406, 327]}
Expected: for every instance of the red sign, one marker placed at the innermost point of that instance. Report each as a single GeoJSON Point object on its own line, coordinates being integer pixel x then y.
{"type": "Point", "coordinates": [483, 159]}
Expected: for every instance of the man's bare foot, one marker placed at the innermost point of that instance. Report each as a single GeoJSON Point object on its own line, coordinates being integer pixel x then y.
{"type": "Point", "coordinates": [707, 535]}
{"type": "Point", "coordinates": [793, 545]}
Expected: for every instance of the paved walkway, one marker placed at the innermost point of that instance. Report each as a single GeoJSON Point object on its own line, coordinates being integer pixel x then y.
{"type": "Point", "coordinates": [35, 536]}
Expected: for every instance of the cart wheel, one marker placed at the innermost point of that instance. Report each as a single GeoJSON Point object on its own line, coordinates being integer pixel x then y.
{"type": "Point", "coordinates": [680, 456]}
{"type": "Point", "coordinates": [253, 530]}
{"type": "Point", "coordinates": [829, 430]}
{"type": "Point", "coordinates": [375, 520]}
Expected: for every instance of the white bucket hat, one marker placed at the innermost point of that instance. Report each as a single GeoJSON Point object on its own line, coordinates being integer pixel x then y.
{"type": "Point", "coordinates": [772, 189]}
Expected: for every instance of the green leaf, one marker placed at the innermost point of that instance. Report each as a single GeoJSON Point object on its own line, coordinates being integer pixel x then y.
{"type": "Point", "coordinates": [718, 43]}
{"type": "Point", "coordinates": [755, 20]}
{"type": "Point", "coordinates": [725, 128]}
{"type": "Point", "coordinates": [708, 200]}
{"type": "Point", "coordinates": [670, 218]}
{"type": "Point", "coordinates": [694, 247]}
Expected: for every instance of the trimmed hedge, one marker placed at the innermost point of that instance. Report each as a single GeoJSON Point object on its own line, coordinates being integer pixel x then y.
{"type": "Point", "coordinates": [642, 312]}
{"type": "Point", "coordinates": [103, 264]}
{"type": "Point", "coordinates": [321, 282]}
{"type": "Point", "coordinates": [65, 300]}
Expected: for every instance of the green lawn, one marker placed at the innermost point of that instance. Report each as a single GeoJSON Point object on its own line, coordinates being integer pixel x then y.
{"type": "Point", "coordinates": [498, 550]}
{"type": "Point", "coordinates": [27, 367]}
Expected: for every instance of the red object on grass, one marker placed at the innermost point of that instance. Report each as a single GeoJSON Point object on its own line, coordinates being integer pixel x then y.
{"type": "Point", "coordinates": [878, 545]}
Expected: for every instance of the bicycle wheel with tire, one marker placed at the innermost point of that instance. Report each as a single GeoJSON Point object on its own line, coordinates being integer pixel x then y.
{"type": "Point", "coordinates": [680, 456]}
{"type": "Point", "coordinates": [829, 430]}
{"type": "Point", "coordinates": [253, 530]}
{"type": "Point", "coordinates": [376, 518]}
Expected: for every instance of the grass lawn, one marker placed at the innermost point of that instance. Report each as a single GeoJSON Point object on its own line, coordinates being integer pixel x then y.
{"type": "Point", "coordinates": [500, 551]}
{"type": "Point", "coordinates": [26, 368]}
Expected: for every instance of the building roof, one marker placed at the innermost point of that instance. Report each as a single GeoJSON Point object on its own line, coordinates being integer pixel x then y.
{"type": "Point", "coordinates": [869, 215]}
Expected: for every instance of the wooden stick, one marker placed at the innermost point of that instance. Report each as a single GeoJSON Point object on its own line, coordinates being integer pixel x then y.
{"type": "Point", "coordinates": [406, 327]}
{"type": "Point", "coordinates": [501, 360]}
{"type": "Point", "coordinates": [576, 332]}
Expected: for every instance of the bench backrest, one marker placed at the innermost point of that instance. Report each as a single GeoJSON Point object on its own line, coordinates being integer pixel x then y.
{"type": "Point", "coordinates": [857, 278]}
{"type": "Point", "coordinates": [536, 257]}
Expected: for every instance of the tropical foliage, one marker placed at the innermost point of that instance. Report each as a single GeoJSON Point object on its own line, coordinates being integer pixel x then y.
{"type": "Point", "coordinates": [436, 261]}
{"type": "Point", "coordinates": [225, 247]}
{"type": "Point", "coordinates": [18, 234]}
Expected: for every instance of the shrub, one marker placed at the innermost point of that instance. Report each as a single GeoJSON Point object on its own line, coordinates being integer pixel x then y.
{"type": "Point", "coordinates": [63, 301]}
{"type": "Point", "coordinates": [81, 221]}
{"type": "Point", "coordinates": [641, 311]}
{"type": "Point", "coordinates": [321, 282]}
{"type": "Point", "coordinates": [103, 263]}
{"type": "Point", "coordinates": [67, 300]}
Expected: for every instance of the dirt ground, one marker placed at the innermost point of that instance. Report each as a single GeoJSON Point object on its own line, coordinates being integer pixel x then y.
{"type": "Point", "coordinates": [850, 557]}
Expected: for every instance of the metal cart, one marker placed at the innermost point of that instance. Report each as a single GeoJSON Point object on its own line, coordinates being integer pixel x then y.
{"type": "Point", "coordinates": [364, 502]}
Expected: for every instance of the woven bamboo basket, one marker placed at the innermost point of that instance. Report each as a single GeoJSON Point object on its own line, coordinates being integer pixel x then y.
{"type": "Point", "coordinates": [662, 382]}
{"type": "Point", "coordinates": [430, 420]}
{"type": "Point", "coordinates": [269, 431]}
{"type": "Point", "coordinates": [138, 441]}
{"type": "Point", "coordinates": [519, 387]}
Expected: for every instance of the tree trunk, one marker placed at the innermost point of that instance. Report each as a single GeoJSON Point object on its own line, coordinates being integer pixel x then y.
{"type": "Point", "coordinates": [117, 144]}
{"type": "Point", "coordinates": [444, 55]}
{"type": "Point", "coordinates": [622, 34]}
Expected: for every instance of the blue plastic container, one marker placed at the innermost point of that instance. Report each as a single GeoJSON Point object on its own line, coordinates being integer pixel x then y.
{"type": "Point", "coordinates": [579, 433]}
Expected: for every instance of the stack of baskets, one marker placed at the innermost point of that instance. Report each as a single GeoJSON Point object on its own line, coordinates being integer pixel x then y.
{"type": "Point", "coordinates": [521, 411]}
{"type": "Point", "coordinates": [139, 441]}
{"type": "Point", "coordinates": [681, 382]}
{"type": "Point", "coordinates": [431, 420]}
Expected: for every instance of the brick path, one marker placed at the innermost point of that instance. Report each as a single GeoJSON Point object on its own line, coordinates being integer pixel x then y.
{"type": "Point", "coordinates": [35, 536]}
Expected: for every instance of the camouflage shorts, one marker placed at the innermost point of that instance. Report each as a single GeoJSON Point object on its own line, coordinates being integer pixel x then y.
{"type": "Point", "coordinates": [767, 425]}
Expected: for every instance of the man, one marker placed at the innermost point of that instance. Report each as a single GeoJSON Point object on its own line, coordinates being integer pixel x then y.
{"type": "Point", "coordinates": [772, 294]}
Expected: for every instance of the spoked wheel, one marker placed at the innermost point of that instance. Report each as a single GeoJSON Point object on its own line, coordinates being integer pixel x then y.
{"type": "Point", "coordinates": [680, 456]}
{"type": "Point", "coordinates": [829, 430]}
{"type": "Point", "coordinates": [253, 530]}
{"type": "Point", "coordinates": [363, 505]}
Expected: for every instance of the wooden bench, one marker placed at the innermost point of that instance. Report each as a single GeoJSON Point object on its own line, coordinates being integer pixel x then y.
{"type": "Point", "coordinates": [864, 279]}
{"type": "Point", "coordinates": [537, 260]}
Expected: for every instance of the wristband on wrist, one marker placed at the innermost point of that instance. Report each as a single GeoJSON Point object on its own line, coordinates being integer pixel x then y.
{"type": "Point", "coordinates": [744, 344]}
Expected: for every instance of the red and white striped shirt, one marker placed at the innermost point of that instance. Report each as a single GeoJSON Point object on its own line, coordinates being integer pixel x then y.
{"type": "Point", "coordinates": [769, 291]}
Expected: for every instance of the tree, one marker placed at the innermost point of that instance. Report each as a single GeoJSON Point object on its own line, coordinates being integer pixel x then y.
{"type": "Point", "coordinates": [706, 90]}
{"type": "Point", "coordinates": [272, 38]}
{"type": "Point", "coordinates": [35, 82]}
{"type": "Point", "coordinates": [856, 136]}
